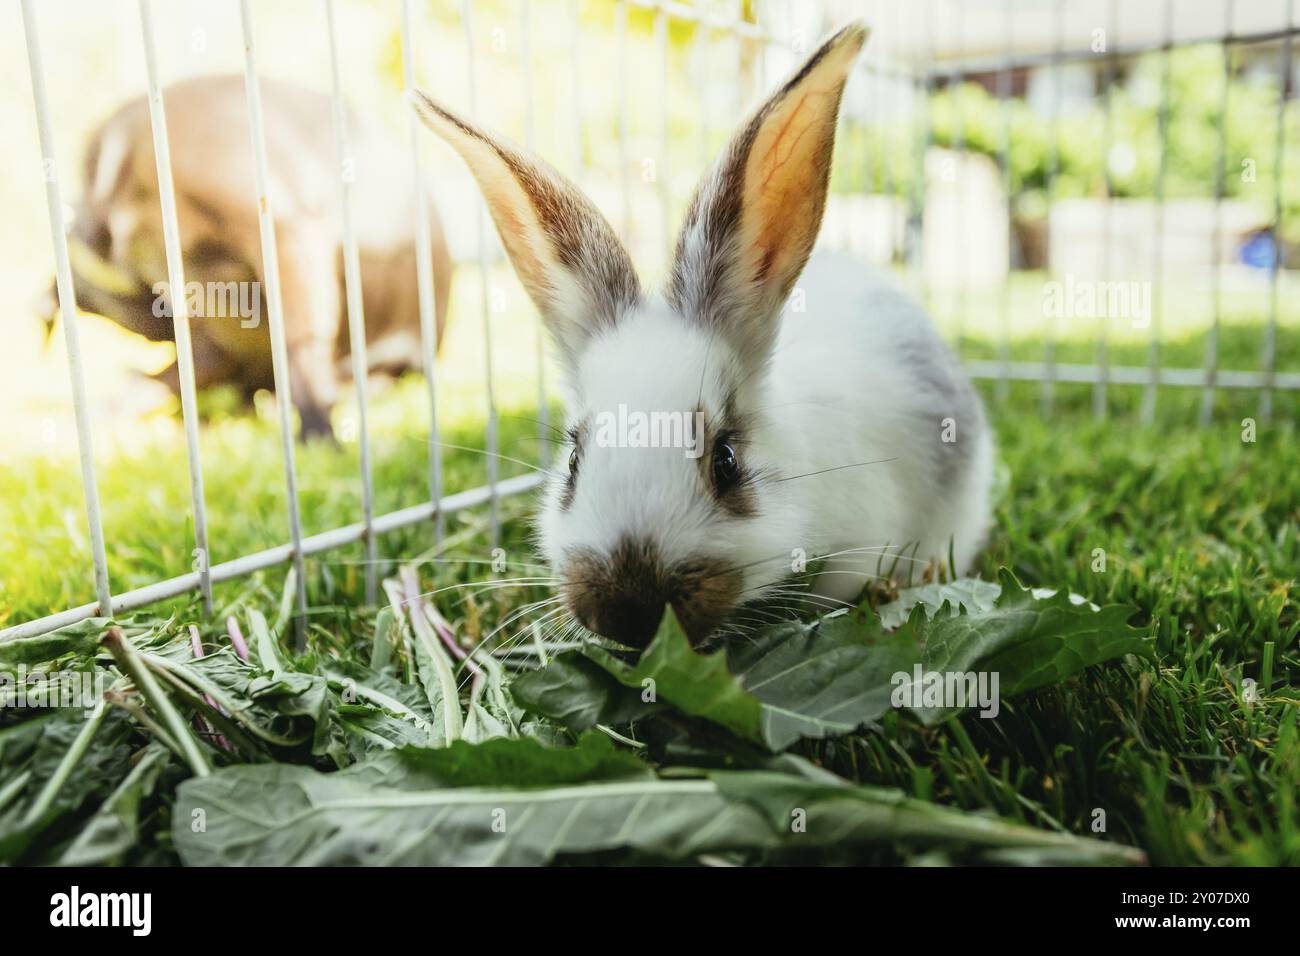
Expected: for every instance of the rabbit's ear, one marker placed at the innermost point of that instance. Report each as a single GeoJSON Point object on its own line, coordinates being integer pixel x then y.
{"type": "Point", "coordinates": [755, 216]}
{"type": "Point", "coordinates": [565, 253]}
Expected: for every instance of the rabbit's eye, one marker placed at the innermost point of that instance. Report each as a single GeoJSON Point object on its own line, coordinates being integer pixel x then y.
{"type": "Point", "coordinates": [573, 463]}
{"type": "Point", "coordinates": [726, 469]}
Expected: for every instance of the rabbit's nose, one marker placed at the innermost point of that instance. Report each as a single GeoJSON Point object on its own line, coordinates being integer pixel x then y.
{"type": "Point", "coordinates": [620, 594]}
{"type": "Point", "coordinates": [630, 619]}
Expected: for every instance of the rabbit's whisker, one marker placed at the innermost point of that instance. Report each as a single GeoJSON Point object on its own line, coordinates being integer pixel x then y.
{"type": "Point", "coordinates": [823, 471]}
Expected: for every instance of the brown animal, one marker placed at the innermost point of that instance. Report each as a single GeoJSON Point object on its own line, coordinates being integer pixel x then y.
{"type": "Point", "coordinates": [119, 261]}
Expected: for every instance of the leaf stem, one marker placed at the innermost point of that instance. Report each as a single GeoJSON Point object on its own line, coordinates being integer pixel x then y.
{"type": "Point", "coordinates": [453, 721]}
{"type": "Point", "coordinates": [70, 760]}
{"type": "Point", "coordinates": [237, 637]}
{"type": "Point", "coordinates": [615, 735]}
{"type": "Point", "coordinates": [133, 708]}
{"type": "Point", "coordinates": [268, 654]}
{"type": "Point", "coordinates": [13, 788]}
{"type": "Point", "coordinates": [129, 660]}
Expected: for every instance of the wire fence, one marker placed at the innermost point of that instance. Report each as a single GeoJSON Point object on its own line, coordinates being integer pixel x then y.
{"type": "Point", "coordinates": [890, 85]}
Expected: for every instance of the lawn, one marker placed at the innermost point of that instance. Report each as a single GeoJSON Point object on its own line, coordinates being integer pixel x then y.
{"type": "Point", "coordinates": [1195, 529]}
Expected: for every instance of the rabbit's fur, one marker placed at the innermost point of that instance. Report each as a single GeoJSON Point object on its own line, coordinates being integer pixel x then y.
{"type": "Point", "coordinates": [841, 440]}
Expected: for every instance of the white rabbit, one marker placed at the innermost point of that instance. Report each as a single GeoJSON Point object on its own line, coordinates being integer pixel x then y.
{"type": "Point", "coordinates": [846, 434]}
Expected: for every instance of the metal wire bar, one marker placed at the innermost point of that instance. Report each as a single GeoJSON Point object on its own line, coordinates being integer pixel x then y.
{"type": "Point", "coordinates": [275, 310]}
{"type": "Point", "coordinates": [959, 181]}
{"type": "Point", "coordinates": [620, 26]}
{"type": "Point", "coordinates": [530, 138]}
{"type": "Point", "coordinates": [425, 290]}
{"type": "Point", "coordinates": [1047, 393]}
{"type": "Point", "coordinates": [1220, 188]}
{"type": "Point", "coordinates": [661, 171]}
{"type": "Point", "coordinates": [271, 557]}
{"type": "Point", "coordinates": [575, 63]}
{"type": "Point", "coordinates": [700, 54]}
{"type": "Point", "coordinates": [925, 84]}
{"type": "Point", "coordinates": [1004, 101]}
{"type": "Point", "coordinates": [1269, 358]}
{"type": "Point", "coordinates": [911, 130]}
{"type": "Point", "coordinates": [882, 164]}
{"type": "Point", "coordinates": [1099, 391]}
{"type": "Point", "coordinates": [1151, 394]}
{"type": "Point", "coordinates": [1133, 375]}
{"type": "Point", "coordinates": [493, 459]}
{"type": "Point", "coordinates": [179, 303]}
{"type": "Point", "coordinates": [356, 308]}
{"type": "Point", "coordinates": [968, 66]}
{"type": "Point", "coordinates": [67, 306]}
{"type": "Point", "coordinates": [741, 68]}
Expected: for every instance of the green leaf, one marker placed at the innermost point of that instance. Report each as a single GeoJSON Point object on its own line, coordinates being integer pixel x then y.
{"type": "Point", "coordinates": [971, 594]}
{"type": "Point", "coordinates": [378, 711]}
{"type": "Point", "coordinates": [501, 761]}
{"type": "Point", "coordinates": [831, 676]}
{"type": "Point", "coordinates": [115, 827]}
{"type": "Point", "coordinates": [369, 730]}
{"type": "Point", "coordinates": [381, 652]}
{"type": "Point", "coordinates": [286, 815]}
{"type": "Point", "coordinates": [696, 684]}
{"type": "Point", "coordinates": [276, 815]}
{"type": "Point", "coordinates": [250, 698]}
{"type": "Point", "coordinates": [294, 694]}
{"type": "Point", "coordinates": [831, 814]}
{"type": "Point", "coordinates": [439, 682]}
{"type": "Point", "coordinates": [93, 775]}
{"type": "Point", "coordinates": [78, 639]}
{"type": "Point", "coordinates": [826, 679]}
{"type": "Point", "coordinates": [822, 679]}
{"type": "Point", "coordinates": [437, 673]}
{"type": "Point", "coordinates": [491, 712]}
{"type": "Point", "coordinates": [1027, 641]}
{"type": "Point", "coordinates": [579, 693]}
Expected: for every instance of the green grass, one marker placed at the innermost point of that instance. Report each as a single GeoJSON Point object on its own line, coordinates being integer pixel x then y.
{"type": "Point", "coordinates": [1199, 532]}
{"type": "Point", "coordinates": [1198, 529]}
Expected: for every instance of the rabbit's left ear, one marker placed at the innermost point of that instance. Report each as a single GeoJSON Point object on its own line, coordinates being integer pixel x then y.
{"type": "Point", "coordinates": [756, 215]}
{"type": "Point", "coordinates": [564, 252]}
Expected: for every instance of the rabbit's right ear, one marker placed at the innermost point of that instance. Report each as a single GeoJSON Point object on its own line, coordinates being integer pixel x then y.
{"type": "Point", "coordinates": [755, 217]}
{"type": "Point", "coordinates": [564, 252]}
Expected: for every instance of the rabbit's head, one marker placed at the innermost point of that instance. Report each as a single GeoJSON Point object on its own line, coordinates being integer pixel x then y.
{"type": "Point", "coordinates": [667, 496]}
